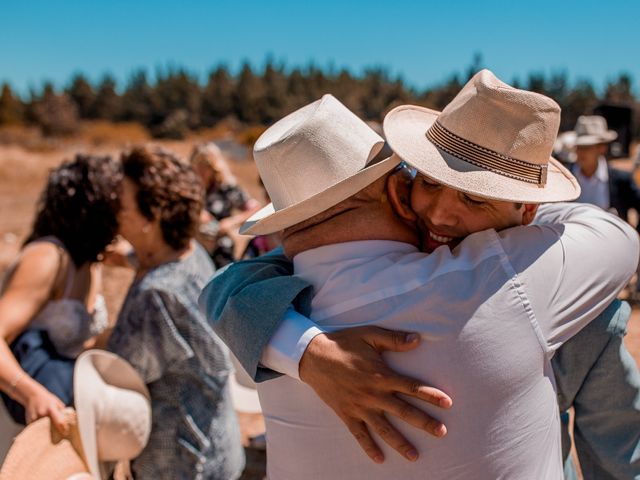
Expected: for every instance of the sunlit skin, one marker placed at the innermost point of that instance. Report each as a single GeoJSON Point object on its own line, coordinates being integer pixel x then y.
{"type": "Point", "coordinates": [446, 216]}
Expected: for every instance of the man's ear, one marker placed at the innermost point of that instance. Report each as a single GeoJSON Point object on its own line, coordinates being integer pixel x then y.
{"type": "Point", "coordinates": [529, 213]}
{"type": "Point", "coordinates": [399, 185]}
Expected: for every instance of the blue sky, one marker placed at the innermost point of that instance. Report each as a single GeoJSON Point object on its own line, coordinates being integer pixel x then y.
{"type": "Point", "coordinates": [423, 41]}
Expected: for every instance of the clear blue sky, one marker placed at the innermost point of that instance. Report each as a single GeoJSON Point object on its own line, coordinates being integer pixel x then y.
{"type": "Point", "coordinates": [424, 41]}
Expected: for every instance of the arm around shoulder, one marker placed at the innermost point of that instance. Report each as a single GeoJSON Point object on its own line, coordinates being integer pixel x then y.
{"type": "Point", "coordinates": [245, 303]}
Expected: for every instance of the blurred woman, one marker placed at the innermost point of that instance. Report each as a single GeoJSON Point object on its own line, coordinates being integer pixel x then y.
{"type": "Point", "coordinates": [226, 204]}
{"type": "Point", "coordinates": [54, 285]}
{"type": "Point", "coordinates": [161, 331]}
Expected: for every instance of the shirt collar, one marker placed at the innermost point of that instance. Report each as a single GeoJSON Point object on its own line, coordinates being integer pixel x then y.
{"type": "Point", "coordinates": [601, 174]}
{"type": "Point", "coordinates": [338, 252]}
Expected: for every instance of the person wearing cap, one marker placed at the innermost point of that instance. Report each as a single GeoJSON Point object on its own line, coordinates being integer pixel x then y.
{"type": "Point", "coordinates": [601, 184]}
{"type": "Point", "coordinates": [489, 325]}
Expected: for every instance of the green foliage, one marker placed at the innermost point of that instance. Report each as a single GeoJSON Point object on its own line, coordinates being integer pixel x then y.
{"type": "Point", "coordinates": [176, 103]}
{"type": "Point", "coordinates": [56, 114]}
{"type": "Point", "coordinates": [11, 108]}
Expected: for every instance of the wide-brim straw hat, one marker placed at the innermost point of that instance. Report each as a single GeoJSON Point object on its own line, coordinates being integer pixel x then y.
{"type": "Point", "coordinates": [111, 422]}
{"type": "Point", "coordinates": [313, 159]}
{"type": "Point", "coordinates": [113, 406]}
{"type": "Point", "coordinates": [39, 451]}
{"type": "Point", "coordinates": [492, 141]}
{"type": "Point", "coordinates": [593, 130]}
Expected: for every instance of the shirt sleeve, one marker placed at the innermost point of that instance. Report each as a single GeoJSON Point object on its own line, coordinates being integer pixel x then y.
{"type": "Point", "coordinates": [570, 265]}
{"type": "Point", "coordinates": [246, 302]}
{"type": "Point", "coordinates": [288, 343]}
{"type": "Point", "coordinates": [149, 338]}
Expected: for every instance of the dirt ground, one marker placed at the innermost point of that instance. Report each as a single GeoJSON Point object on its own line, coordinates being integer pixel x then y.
{"type": "Point", "coordinates": [23, 171]}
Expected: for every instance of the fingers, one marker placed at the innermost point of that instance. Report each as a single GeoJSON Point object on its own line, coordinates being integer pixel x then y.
{"type": "Point", "coordinates": [417, 389]}
{"type": "Point", "coordinates": [59, 420]}
{"type": "Point", "coordinates": [361, 433]}
{"type": "Point", "coordinates": [392, 340]}
{"type": "Point", "coordinates": [416, 417]}
{"type": "Point", "coordinates": [391, 436]}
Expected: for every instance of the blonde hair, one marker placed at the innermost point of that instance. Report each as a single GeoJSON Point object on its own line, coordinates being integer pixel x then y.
{"type": "Point", "coordinates": [210, 156]}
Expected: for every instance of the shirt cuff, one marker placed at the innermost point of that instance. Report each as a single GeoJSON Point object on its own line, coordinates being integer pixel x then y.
{"type": "Point", "coordinates": [288, 343]}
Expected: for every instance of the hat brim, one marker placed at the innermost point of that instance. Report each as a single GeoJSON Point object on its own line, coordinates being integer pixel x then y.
{"type": "Point", "coordinates": [40, 452]}
{"type": "Point", "coordinates": [267, 220]}
{"type": "Point", "coordinates": [405, 129]}
{"type": "Point", "coordinates": [92, 369]}
{"type": "Point", "coordinates": [588, 140]}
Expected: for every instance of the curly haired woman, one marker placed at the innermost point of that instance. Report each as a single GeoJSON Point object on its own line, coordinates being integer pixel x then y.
{"type": "Point", "coordinates": [163, 334]}
{"type": "Point", "coordinates": [54, 285]}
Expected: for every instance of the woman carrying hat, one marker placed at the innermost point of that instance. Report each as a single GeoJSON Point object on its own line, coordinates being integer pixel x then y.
{"type": "Point", "coordinates": [163, 334]}
{"type": "Point", "coordinates": [50, 306]}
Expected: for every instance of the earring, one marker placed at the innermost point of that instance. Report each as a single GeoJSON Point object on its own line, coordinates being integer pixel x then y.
{"type": "Point", "coordinates": [146, 228]}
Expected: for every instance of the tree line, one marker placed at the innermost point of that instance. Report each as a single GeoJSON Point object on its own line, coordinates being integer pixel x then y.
{"type": "Point", "coordinates": [176, 102]}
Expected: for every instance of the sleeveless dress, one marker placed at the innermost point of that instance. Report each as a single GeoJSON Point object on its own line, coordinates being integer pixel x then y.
{"type": "Point", "coordinates": [67, 323]}
{"type": "Point", "coordinates": [66, 320]}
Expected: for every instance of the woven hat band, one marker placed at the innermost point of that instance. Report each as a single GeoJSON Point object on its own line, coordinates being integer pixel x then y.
{"type": "Point", "coordinates": [485, 158]}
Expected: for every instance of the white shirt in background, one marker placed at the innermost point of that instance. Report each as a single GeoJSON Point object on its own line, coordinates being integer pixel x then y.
{"type": "Point", "coordinates": [491, 314]}
{"type": "Point", "coordinates": [595, 189]}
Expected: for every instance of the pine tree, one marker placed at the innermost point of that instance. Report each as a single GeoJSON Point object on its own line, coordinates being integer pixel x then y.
{"type": "Point", "coordinates": [81, 92]}
{"type": "Point", "coordinates": [108, 104]}
{"type": "Point", "coordinates": [11, 108]}
{"type": "Point", "coordinates": [55, 114]}
{"type": "Point", "coordinates": [217, 96]}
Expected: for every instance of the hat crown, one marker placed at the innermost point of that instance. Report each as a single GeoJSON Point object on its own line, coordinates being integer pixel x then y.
{"type": "Point", "coordinates": [591, 125]}
{"type": "Point", "coordinates": [121, 433]}
{"type": "Point", "coordinates": [313, 149]}
{"type": "Point", "coordinates": [494, 115]}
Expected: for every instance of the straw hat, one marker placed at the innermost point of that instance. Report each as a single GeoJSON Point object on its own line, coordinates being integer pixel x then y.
{"type": "Point", "coordinates": [493, 141]}
{"type": "Point", "coordinates": [311, 160]}
{"type": "Point", "coordinates": [112, 422]}
{"type": "Point", "coordinates": [114, 408]}
{"type": "Point", "coordinates": [593, 130]}
{"type": "Point", "coordinates": [39, 451]}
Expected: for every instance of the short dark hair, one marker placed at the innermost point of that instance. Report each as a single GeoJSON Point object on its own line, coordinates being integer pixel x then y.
{"type": "Point", "coordinates": [79, 206]}
{"type": "Point", "coordinates": [168, 189]}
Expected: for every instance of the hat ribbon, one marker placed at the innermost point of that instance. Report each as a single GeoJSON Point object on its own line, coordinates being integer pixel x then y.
{"type": "Point", "coordinates": [485, 158]}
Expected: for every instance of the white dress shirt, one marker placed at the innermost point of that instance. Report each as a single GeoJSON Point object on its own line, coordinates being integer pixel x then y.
{"type": "Point", "coordinates": [594, 189]}
{"type": "Point", "coordinates": [491, 314]}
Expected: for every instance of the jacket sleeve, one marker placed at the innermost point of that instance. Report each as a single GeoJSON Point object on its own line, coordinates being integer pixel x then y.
{"type": "Point", "coordinates": [246, 302]}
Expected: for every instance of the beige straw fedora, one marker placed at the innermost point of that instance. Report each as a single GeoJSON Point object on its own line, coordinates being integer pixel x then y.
{"type": "Point", "coordinates": [111, 422]}
{"type": "Point", "coordinates": [113, 407]}
{"type": "Point", "coordinates": [311, 160]}
{"type": "Point", "coordinates": [39, 451]}
{"type": "Point", "coordinates": [492, 140]}
{"type": "Point", "coordinates": [593, 130]}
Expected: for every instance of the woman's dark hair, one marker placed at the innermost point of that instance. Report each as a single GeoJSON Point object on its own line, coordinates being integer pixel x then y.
{"type": "Point", "coordinates": [168, 189]}
{"type": "Point", "coordinates": [80, 206]}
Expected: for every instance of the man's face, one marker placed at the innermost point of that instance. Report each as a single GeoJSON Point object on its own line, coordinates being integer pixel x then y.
{"type": "Point", "coordinates": [587, 155]}
{"type": "Point", "coordinates": [446, 216]}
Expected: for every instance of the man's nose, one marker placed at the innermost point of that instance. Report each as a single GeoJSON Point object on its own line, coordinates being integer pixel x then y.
{"type": "Point", "coordinates": [442, 211]}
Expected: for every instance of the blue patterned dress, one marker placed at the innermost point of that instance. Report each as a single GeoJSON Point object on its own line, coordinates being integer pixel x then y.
{"type": "Point", "coordinates": [163, 334]}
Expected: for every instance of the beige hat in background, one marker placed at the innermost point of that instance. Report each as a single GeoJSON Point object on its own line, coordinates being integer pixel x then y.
{"type": "Point", "coordinates": [111, 422]}
{"type": "Point", "coordinates": [113, 407]}
{"type": "Point", "coordinates": [593, 130]}
{"type": "Point", "coordinates": [311, 160]}
{"type": "Point", "coordinates": [492, 140]}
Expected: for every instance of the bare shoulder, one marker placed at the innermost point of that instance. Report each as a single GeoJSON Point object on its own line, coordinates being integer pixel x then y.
{"type": "Point", "coordinates": [38, 265]}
